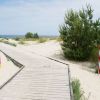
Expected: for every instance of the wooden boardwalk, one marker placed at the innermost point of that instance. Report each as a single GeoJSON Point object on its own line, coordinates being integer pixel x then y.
{"type": "Point", "coordinates": [41, 79]}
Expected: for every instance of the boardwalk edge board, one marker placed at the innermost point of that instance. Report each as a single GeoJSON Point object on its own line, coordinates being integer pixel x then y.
{"type": "Point", "coordinates": [17, 65]}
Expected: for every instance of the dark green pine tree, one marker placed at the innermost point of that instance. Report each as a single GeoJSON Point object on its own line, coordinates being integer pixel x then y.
{"type": "Point", "coordinates": [35, 35]}
{"type": "Point", "coordinates": [29, 35]}
{"type": "Point", "coordinates": [80, 33]}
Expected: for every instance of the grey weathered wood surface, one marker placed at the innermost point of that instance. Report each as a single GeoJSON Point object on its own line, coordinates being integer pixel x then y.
{"type": "Point", "coordinates": [41, 79]}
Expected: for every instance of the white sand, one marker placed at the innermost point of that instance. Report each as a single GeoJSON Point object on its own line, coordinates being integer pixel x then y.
{"type": "Point", "coordinates": [7, 69]}
{"type": "Point", "coordinates": [47, 48]}
{"type": "Point", "coordinates": [90, 82]}
{"type": "Point", "coordinates": [12, 41]}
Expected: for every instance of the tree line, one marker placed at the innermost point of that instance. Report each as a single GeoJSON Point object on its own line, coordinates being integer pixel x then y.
{"type": "Point", "coordinates": [31, 35]}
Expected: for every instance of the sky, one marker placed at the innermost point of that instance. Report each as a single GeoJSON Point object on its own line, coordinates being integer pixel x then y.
{"type": "Point", "coordinates": [41, 16]}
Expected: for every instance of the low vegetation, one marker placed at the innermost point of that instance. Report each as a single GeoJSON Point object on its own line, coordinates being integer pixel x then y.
{"type": "Point", "coordinates": [58, 39]}
{"type": "Point", "coordinates": [77, 91]}
{"type": "Point", "coordinates": [42, 40]}
{"type": "Point", "coordinates": [17, 39]}
{"type": "Point", "coordinates": [94, 59]}
{"type": "Point", "coordinates": [94, 55]}
{"type": "Point", "coordinates": [21, 42]}
{"type": "Point", "coordinates": [1, 40]}
{"type": "Point", "coordinates": [9, 43]}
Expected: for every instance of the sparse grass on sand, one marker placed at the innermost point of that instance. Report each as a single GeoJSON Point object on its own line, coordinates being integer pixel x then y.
{"type": "Point", "coordinates": [42, 40]}
{"type": "Point", "coordinates": [28, 39]}
{"type": "Point", "coordinates": [39, 40]}
{"type": "Point", "coordinates": [22, 42]}
{"type": "Point", "coordinates": [9, 43]}
{"type": "Point", "coordinates": [58, 39]}
{"type": "Point", "coordinates": [6, 41]}
{"type": "Point", "coordinates": [1, 40]}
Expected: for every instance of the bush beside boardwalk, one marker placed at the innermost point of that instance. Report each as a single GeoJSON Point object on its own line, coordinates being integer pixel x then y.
{"type": "Point", "coordinates": [80, 34]}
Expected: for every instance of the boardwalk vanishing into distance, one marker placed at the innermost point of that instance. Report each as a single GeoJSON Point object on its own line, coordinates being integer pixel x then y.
{"type": "Point", "coordinates": [41, 78]}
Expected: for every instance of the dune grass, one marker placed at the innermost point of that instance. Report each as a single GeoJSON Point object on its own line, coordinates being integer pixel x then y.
{"type": "Point", "coordinates": [58, 39]}
{"type": "Point", "coordinates": [42, 40]}
{"type": "Point", "coordinates": [77, 91]}
{"type": "Point", "coordinates": [22, 42]}
{"type": "Point", "coordinates": [9, 43]}
{"type": "Point", "coordinates": [1, 40]}
{"type": "Point", "coordinates": [28, 39]}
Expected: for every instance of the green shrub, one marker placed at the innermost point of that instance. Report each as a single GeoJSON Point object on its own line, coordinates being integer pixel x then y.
{"type": "Point", "coordinates": [77, 92]}
{"type": "Point", "coordinates": [94, 55]}
{"type": "Point", "coordinates": [35, 36]}
{"type": "Point", "coordinates": [94, 58]}
{"type": "Point", "coordinates": [30, 35]}
{"type": "Point", "coordinates": [79, 34]}
{"type": "Point", "coordinates": [77, 54]}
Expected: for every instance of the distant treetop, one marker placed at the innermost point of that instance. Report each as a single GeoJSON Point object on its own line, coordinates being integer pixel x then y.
{"type": "Point", "coordinates": [31, 35]}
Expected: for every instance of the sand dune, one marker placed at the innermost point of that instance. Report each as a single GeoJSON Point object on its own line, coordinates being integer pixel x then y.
{"type": "Point", "coordinates": [7, 69]}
